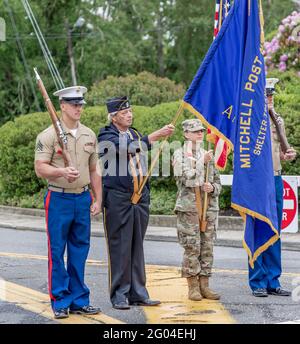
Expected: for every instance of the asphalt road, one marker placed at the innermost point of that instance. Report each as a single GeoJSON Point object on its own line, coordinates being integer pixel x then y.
{"type": "Point", "coordinates": [23, 263]}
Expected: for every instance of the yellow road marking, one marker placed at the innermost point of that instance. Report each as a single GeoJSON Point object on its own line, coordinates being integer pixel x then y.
{"type": "Point", "coordinates": [170, 288]}
{"type": "Point", "coordinates": [225, 271]}
{"type": "Point", "coordinates": [38, 257]}
{"type": "Point", "coordinates": [104, 263]}
{"type": "Point", "coordinates": [21, 255]}
{"type": "Point", "coordinates": [245, 272]}
{"type": "Point", "coordinates": [37, 302]}
{"type": "Point", "coordinates": [163, 282]}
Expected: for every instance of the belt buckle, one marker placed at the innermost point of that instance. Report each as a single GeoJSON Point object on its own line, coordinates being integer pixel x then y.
{"type": "Point", "coordinates": [58, 189]}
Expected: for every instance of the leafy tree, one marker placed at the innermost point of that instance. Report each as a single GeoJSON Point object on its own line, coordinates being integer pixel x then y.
{"type": "Point", "coordinates": [142, 89]}
{"type": "Point", "coordinates": [19, 185]}
{"type": "Point", "coordinates": [165, 37]}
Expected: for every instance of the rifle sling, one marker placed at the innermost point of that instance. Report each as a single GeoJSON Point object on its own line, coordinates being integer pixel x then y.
{"type": "Point", "coordinates": [134, 175]}
{"type": "Point", "coordinates": [137, 181]}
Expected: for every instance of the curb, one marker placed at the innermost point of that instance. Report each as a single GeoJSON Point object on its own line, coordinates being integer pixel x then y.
{"type": "Point", "coordinates": [225, 222]}
{"type": "Point", "coordinates": [286, 246]}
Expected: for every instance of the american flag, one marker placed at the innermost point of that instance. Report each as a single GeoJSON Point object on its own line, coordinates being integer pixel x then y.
{"type": "Point", "coordinates": [222, 150]}
{"type": "Point", "coordinates": [222, 10]}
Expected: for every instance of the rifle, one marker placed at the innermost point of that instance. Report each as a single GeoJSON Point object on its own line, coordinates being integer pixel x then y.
{"type": "Point", "coordinates": [61, 135]}
{"type": "Point", "coordinates": [279, 129]}
{"type": "Point", "coordinates": [278, 123]}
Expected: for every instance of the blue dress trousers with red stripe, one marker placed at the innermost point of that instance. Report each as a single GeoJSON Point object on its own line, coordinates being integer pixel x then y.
{"type": "Point", "coordinates": [68, 227]}
{"type": "Point", "coordinates": [267, 268]}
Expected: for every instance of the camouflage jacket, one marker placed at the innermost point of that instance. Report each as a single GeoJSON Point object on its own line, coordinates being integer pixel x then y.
{"type": "Point", "coordinates": [189, 172]}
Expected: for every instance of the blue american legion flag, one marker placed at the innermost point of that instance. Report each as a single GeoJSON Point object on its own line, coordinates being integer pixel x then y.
{"type": "Point", "coordinates": [228, 95]}
{"type": "Point", "coordinates": [221, 148]}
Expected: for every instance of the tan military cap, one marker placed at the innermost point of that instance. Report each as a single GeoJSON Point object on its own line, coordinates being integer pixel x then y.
{"type": "Point", "coordinates": [192, 125]}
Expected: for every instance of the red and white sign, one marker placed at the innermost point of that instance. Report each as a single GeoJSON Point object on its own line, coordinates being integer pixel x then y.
{"type": "Point", "coordinates": [290, 205]}
{"type": "Point", "coordinates": [290, 201]}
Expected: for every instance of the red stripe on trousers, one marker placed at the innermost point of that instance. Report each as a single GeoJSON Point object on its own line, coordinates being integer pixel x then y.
{"type": "Point", "coordinates": [49, 248]}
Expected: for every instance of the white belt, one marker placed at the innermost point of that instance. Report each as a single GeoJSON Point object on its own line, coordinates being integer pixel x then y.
{"type": "Point", "coordinates": [66, 190]}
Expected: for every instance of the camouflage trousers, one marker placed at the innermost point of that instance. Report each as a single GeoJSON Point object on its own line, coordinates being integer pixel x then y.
{"type": "Point", "coordinates": [198, 246]}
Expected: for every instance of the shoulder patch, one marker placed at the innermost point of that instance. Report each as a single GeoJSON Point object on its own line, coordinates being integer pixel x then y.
{"type": "Point", "coordinates": [39, 146]}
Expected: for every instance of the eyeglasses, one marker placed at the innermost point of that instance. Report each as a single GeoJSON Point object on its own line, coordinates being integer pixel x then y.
{"type": "Point", "coordinates": [199, 131]}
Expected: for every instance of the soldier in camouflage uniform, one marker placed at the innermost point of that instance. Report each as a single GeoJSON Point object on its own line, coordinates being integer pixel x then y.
{"type": "Point", "coordinates": [189, 165]}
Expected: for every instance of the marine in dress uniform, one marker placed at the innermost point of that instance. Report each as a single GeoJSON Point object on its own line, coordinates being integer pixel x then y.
{"type": "Point", "coordinates": [68, 204]}
{"type": "Point", "coordinates": [264, 278]}
{"type": "Point", "coordinates": [123, 151]}
{"type": "Point", "coordinates": [189, 165]}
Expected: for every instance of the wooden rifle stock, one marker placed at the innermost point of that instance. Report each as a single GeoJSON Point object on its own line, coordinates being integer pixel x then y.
{"type": "Point", "coordinates": [279, 127]}
{"type": "Point", "coordinates": [280, 132]}
{"type": "Point", "coordinates": [61, 135]}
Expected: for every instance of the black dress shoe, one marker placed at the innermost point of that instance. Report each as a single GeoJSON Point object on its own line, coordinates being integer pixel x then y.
{"type": "Point", "coordinates": [121, 305]}
{"type": "Point", "coordinates": [260, 292]}
{"type": "Point", "coordinates": [279, 292]}
{"type": "Point", "coordinates": [146, 302]}
{"type": "Point", "coordinates": [61, 313]}
{"type": "Point", "coordinates": [89, 310]}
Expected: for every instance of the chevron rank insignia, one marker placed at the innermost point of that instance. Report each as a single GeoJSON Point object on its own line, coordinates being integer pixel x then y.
{"type": "Point", "coordinates": [39, 146]}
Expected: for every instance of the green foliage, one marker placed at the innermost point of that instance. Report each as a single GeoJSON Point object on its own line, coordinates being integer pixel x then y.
{"type": "Point", "coordinates": [167, 38]}
{"type": "Point", "coordinates": [19, 185]}
{"type": "Point", "coordinates": [17, 177]}
{"type": "Point", "coordinates": [287, 104]}
{"type": "Point", "coordinates": [282, 52]}
{"type": "Point", "coordinates": [162, 200]}
{"type": "Point", "coordinates": [16, 91]}
{"type": "Point", "coordinates": [225, 199]}
{"type": "Point", "coordinates": [143, 89]}
{"type": "Point", "coordinates": [274, 11]}
{"type": "Point", "coordinates": [18, 182]}
{"type": "Point", "coordinates": [27, 201]}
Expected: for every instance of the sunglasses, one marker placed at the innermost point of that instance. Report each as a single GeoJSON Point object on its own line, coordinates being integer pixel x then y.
{"type": "Point", "coordinates": [199, 131]}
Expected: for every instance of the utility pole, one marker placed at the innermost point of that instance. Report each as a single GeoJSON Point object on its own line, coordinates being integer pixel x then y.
{"type": "Point", "coordinates": [70, 53]}
{"type": "Point", "coordinates": [160, 44]}
{"type": "Point", "coordinates": [22, 53]}
{"type": "Point", "coordinates": [2, 30]}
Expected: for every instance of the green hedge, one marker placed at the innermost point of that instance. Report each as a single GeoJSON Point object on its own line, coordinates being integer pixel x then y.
{"type": "Point", "coordinates": [287, 104]}
{"type": "Point", "coordinates": [19, 186]}
{"type": "Point", "coordinates": [143, 89]}
{"type": "Point", "coordinates": [18, 182]}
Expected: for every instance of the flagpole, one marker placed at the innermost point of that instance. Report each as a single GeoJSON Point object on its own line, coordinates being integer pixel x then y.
{"type": "Point", "coordinates": [221, 15]}
{"type": "Point", "coordinates": [203, 222]}
{"type": "Point", "coordinates": [136, 196]}
{"type": "Point", "coordinates": [205, 199]}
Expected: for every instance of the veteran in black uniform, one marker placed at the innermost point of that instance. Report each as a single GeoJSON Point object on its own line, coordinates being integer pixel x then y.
{"type": "Point", "coordinates": [123, 151]}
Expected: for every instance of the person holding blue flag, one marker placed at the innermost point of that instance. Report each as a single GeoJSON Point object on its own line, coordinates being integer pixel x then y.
{"type": "Point", "coordinates": [264, 278]}
{"type": "Point", "coordinates": [233, 72]}
{"type": "Point", "coordinates": [123, 152]}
